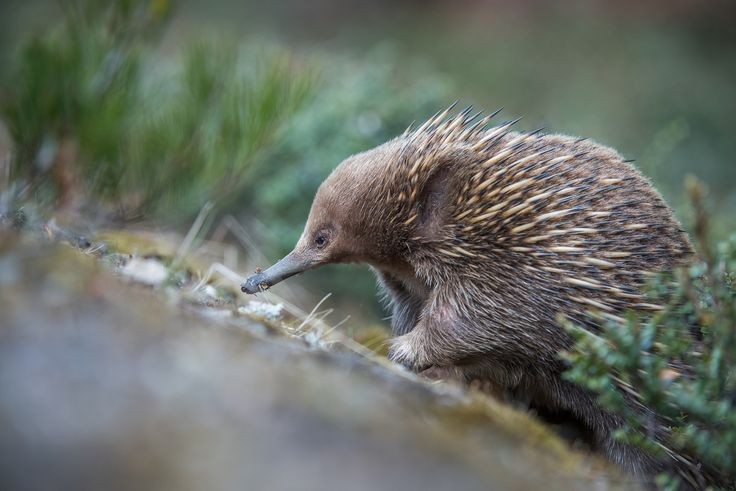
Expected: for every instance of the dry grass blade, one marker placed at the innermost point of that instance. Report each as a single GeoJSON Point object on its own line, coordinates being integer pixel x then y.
{"type": "Point", "coordinates": [194, 230]}
{"type": "Point", "coordinates": [309, 317]}
{"type": "Point", "coordinates": [231, 276]}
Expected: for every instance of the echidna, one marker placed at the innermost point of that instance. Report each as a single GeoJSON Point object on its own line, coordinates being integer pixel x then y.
{"type": "Point", "coordinates": [481, 237]}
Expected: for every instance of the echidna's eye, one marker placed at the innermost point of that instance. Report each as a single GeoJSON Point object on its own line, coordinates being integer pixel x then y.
{"type": "Point", "coordinates": [320, 241]}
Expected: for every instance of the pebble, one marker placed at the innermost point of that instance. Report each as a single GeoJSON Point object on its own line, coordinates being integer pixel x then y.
{"type": "Point", "coordinates": [263, 310]}
{"type": "Point", "coordinates": [148, 271]}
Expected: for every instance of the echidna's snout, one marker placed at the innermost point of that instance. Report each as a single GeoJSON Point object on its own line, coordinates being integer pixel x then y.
{"type": "Point", "coordinates": [290, 265]}
{"type": "Point", "coordinates": [252, 284]}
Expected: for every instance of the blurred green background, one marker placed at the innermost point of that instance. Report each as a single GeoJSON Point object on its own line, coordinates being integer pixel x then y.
{"type": "Point", "coordinates": [149, 109]}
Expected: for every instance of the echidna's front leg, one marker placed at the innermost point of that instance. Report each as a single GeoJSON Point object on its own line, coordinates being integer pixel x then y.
{"type": "Point", "coordinates": [405, 307]}
{"type": "Point", "coordinates": [431, 342]}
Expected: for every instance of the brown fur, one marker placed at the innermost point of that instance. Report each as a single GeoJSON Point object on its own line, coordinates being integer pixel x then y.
{"type": "Point", "coordinates": [481, 237]}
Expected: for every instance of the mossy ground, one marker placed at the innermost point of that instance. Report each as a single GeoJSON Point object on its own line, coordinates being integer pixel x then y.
{"type": "Point", "coordinates": [169, 390]}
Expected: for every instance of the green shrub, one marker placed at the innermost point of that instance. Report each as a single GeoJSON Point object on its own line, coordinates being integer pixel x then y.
{"type": "Point", "coordinates": [680, 362]}
{"type": "Point", "coordinates": [95, 114]}
{"type": "Point", "coordinates": [359, 105]}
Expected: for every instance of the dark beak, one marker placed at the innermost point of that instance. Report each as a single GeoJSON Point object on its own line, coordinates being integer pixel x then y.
{"type": "Point", "coordinates": [289, 266]}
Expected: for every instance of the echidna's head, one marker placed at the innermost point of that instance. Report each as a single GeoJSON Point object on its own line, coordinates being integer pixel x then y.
{"type": "Point", "coordinates": [344, 223]}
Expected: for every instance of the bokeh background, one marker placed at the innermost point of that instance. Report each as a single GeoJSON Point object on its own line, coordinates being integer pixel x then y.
{"type": "Point", "coordinates": [142, 111]}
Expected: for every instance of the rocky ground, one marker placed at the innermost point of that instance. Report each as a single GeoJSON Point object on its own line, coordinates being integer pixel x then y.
{"type": "Point", "coordinates": [126, 371]}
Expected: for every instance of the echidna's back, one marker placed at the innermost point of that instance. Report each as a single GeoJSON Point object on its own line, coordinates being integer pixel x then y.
{"type": "Point", "coordinates": [569, 214]}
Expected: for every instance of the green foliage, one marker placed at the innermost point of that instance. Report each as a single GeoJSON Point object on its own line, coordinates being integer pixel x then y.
{"type": "Point", "coordinates": [359, 105]}
{"type": "Point", "coordinates": [680, 362]}
{"type": "Point", "coordinates": [89, 105]}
